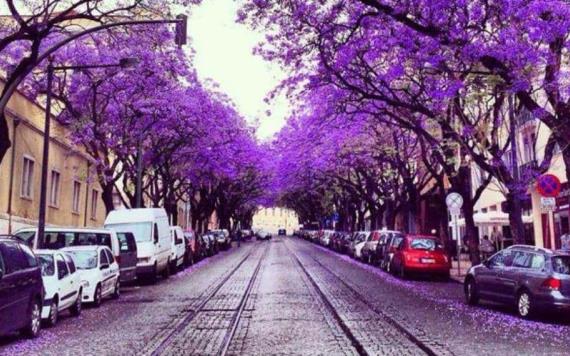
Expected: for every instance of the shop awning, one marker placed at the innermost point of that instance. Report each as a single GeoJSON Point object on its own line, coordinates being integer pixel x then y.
{"type": "Point", "coordinates": [491, 218]}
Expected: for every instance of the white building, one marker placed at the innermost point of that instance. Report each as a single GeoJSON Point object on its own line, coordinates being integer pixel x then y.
{"type": "Point", "coordinates": [275, 218]}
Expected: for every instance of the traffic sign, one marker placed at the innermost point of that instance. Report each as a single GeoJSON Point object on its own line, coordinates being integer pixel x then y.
{"type": "Point", "coordinates": [454, 211]}
{"type": "Point", "coordinates": [454, 200]}
{"type": "Point", "coordinates": [548, 185]}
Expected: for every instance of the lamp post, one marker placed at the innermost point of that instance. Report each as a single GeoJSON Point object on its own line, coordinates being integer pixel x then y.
{"type": "Point", "coordinates": [51, 69]}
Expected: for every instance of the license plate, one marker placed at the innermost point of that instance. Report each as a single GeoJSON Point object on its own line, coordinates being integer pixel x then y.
{"type": "Point", "coordinates": [428, 260]}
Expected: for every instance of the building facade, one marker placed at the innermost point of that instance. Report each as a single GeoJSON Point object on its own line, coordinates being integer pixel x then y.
{"type": "Point", "coordinates": [274, 218]}
{"type": "Point", "coordinates": [73, 194]}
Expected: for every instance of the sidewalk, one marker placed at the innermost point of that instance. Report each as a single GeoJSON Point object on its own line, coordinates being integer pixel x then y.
{"type": "Point", "coordinates": [464, 266]}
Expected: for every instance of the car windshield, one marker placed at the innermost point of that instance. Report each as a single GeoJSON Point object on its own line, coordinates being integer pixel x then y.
{"type": "Point", "coordinates": [142, 231]}
{"type": "Point", "coordinates": [46, 262]}
{"type": "Point", "coordinates": [424, 244]}
{"type": "Point", "coordinates": [561, 264]}
{"type": "Point", "coordinates": [84, 259]}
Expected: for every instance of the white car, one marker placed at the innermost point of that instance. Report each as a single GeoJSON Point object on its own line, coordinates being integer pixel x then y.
{"type": "Point", "coordinates": [62, 285]}
{"type": "Point", "coordinates": [178, 248]}
{"type": "Point", "coordinates": [98, 270]}
{"type": "Point", "coordinates": [358, 249]}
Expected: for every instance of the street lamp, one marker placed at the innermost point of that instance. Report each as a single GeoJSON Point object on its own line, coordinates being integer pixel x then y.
{"type": "Point", "coordinates": [123, 63]}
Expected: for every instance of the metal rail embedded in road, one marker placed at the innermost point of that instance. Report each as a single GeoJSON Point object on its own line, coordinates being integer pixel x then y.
{"type": "Point", "coordinates": [237, 316]}
{"type": "Point", "coordinates": [192, 315]}
{"type": "Point", "coordinates": [413, 338]}
{"type": "Point", "coordinates": [354, 341]}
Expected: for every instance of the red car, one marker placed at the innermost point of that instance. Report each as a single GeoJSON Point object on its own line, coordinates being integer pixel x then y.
{"type": "Point", "coordinates": [420, 254]}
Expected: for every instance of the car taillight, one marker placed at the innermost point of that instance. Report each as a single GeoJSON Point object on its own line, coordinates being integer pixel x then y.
{"type": "Point", "coordinates": [552, 283]}
{"type": "Point", "coordinates": [118, 258]}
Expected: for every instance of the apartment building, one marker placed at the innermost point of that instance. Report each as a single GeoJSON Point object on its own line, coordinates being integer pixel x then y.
{"type": "Point", "coordinates": [73, 195]}
{"type": "Point", "coordinates": [542, 228]}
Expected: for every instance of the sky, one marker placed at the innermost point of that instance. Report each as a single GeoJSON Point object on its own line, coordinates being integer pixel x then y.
{"type": "Point", "coordinates": [224, 54]}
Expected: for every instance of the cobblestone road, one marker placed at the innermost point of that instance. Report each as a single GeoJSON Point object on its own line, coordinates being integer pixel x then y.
{"type": "Point", "coordinates": [288, 296]}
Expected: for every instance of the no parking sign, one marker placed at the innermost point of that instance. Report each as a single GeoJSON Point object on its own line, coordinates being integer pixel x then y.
{"type": "Point", "coordinates": [548, 186]}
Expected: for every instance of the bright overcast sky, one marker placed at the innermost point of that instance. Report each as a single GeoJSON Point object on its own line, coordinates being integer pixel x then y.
{"type": "Point", "coordinates": [224, 54]}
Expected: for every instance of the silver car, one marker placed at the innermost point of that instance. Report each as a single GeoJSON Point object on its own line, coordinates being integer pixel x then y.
{"type": "Point", "coordinates": [527, 277]}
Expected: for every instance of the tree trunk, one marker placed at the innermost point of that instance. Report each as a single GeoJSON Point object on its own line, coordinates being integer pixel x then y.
{"type": "Point", "coordinates": [515, 218]}
{"type": "Point", "coordinates": [107, 197]}
{"type": "Point", "coordinates": [4, 136]}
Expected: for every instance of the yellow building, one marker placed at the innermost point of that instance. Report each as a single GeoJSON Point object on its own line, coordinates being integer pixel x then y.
{"type": "Point", "coordinates": [73, 195]}
{"type": "Point", "coordinates": [275, 218]}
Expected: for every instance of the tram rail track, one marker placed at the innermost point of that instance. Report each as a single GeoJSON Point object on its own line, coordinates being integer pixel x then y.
{"type": "Point", "coordinates": [427, 349]}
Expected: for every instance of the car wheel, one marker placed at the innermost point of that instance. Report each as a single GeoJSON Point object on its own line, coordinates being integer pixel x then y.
{"type": "Point", "coordinates": [471, 292]}
{"type": "Point", "coordinates": [53, 313]}
{"type": "Point", "coordinates": [402, 273]}
{"type": "Point", "coordinates": [117, 291]}
{"type": "Point", "coordinates": [153, 274]}
{"type": "Point", "coordinates": [33, 328]}
{"type": "Point", "coordinates": [75, 310]}
{"type": "Point", "coordinates": [166, 273]}
{"type": "Point", "coordinates": [97, 296]}
{"type": "Point", "coordinates": [525, 304]}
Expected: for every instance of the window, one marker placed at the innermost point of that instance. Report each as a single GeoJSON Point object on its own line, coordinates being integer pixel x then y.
{"type": "Point", "coordinates": [62, 270]}
{"type": "Point", "coordinates": [501, 259]}
{"type": "Point", "coordinates": [70, 263]}
{"type": "Point", "coordinates": [538, 262]}
{"type": "Point", "coordinates": [94, 198]}
{"type": "Point", "coordinates": [561, 264]}
{"type": "Point", "coordinates": [521, 259]}
{"type": "Point", "coordinates": [76, 197]}
{"type": "Point", "coordinates": [123, 243]}
{"type": "Point", "coordinates": [54, 189]}
{"type": "Point", "coordinates": [103, 260]}
{"type": "Point", "coordinates": [13, 258]}
{"type": "Point", "coordinates": [48, 267]}
{"type": "Point", "coordinates": [54, 240]}
{"type": "Point", "coordinates": [30, 257]}
{"type": "Point", "coordinates": [110, 257]}
{"type": "Point", "coordinates": [26, 189]}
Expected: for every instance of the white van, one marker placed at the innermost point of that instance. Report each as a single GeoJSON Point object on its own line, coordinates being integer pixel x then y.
{"type": "Point", "coordinates": [56, 238]}
{"type": "Point", "coordinates": [152, 234]}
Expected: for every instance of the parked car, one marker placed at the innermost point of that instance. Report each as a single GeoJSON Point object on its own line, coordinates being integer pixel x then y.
{"type": "Point", "coordinates": [345, 243]}
{"type": "Point", "coordinates": [282, 232]}
{"type": "Point", "coordinates": [360, 245]}
{"type": "Point", "coordinates": [21, 288]}
{"type": "Point", "coordinates": [370, 246]}
{"type": "Point", "coordinates": [191, 252]}
{"type": "Point", "coordinates": [178, 248]}
{"type": "Point", "coordinates": [56, 238]}
{"type": "Point", "coordinates": [222, 238]}
{"type": "Point", "coordinates": [377, 255]}
{"type": "Point", "coordinates": [62, 285]}
{"type": "Point", "coordinates": [263, 235]}
{"type": "Point", "coordinates": [420, 254]}
{"type": "Point", "coordinates": [207, 240]}
{"type": "Point", "coordinates": [128, 258]}
{"type": "Point", "coordinates": [246, 234]}
{"type": "Point", "coordinates": [152, 235]}
{"type": "Point", "coordinates": [325, 238]}
{"type": "Point", "coordinates": [390, 247]}
{"type": "Point", "coordinates": [529, 278]}
{"type": "Point", "coordinates": [335, 240]}
{"type": "Point", "coordinates": [99, 272]}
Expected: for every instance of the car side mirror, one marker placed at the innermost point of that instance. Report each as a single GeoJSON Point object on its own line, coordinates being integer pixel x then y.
{"type": "Point", "coordinates": [105, 266]}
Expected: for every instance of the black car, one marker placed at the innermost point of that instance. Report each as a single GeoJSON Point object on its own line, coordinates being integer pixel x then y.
{"type": "Point", "coordinates": [21, 288]}
{"type": "Point", "coordinates": [281, 232]}
{"type": "Point", "coordinates": [526, 277]}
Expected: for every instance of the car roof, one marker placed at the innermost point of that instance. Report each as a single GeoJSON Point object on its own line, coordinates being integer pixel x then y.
{"type": "Point", "coordinates": [69, 229]}
{"type": "Point", "coordinates": [84, 248]}
{"type": "Point", "coordinates": [47, 252]}
{"type": "Point", "coordinates": [125, 216]}
{"type": "Point", "coordinates": [529, 248]}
